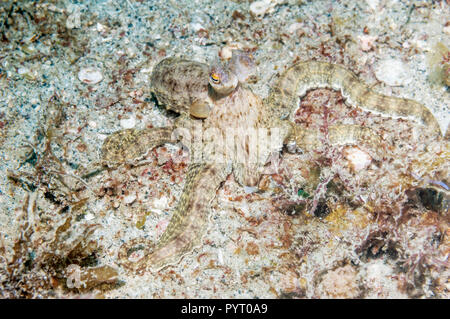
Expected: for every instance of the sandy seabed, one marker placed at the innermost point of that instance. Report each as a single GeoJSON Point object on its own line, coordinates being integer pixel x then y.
{"type": "Point", "coordinates": [71, 73]}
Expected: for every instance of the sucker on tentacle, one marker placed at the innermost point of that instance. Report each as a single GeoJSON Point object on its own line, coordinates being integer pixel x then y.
{"type": "Point", "coordinates": [304, 76]}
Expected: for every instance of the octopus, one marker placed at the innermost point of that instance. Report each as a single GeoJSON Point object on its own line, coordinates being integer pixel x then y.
{"type": "Point", "coordinates": [219, 117]}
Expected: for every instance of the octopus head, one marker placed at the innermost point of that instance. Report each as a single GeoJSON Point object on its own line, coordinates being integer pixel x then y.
{"type": "Point", "coordinates": [222, 80]}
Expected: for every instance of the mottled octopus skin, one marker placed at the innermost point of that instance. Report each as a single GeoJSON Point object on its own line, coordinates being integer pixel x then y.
{"type": "Point", "coordinates": [340, 134]}
{"type": "Point", "coordinates": [188, 223]}
{"type": "Point", "coordinates": [304, 76]}
{"type": "Point", "coordinates": [239, 110]}
{"type": "Point", "coordinates": [178, 83]}
{"type": "Point", "coordinates": [129, 145]}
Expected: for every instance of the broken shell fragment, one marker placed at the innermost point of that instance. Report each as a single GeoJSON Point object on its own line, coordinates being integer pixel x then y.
{"type": "Point", "coordinates": [90, 75]}
{"type": "Point", "coordinates": [200, 109]}
{"type": "Point", "coordinates": [259, 9]}
{"type": "Point", "coordinates": [226, 52]}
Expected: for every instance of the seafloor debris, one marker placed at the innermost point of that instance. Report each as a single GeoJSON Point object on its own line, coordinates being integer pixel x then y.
{"type": "Point", "coordinates": [393, 72]}
{"type": "Point", "coordinates": [386, 224]}
{"type": "Point", "coordinates": [35, 265]}
{"type": "Point", "coordinates": [52, 231]}
{"type": "Point", "coordinates": [90, 75]}
{"type": "Point", "coordinates": [339, 283]}
{"type": "Point", "coordinates": [259, 9]}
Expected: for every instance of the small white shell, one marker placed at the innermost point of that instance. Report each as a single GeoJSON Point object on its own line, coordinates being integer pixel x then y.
{"type": "Point", "coordinates": [294, 27]}
{"type": "Point", "coordinates": [258, 9]}
{"type": "Point", "coordinates": [128, 123]}
{"type": "Point", "coordinates": [89, 216]}
{"type": "Point", "coordinates": [129, 199]}
{"type": "Point", "coordinates": [90, 75]}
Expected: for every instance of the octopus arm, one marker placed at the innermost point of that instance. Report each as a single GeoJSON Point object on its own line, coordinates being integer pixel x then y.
{"type": "Point", "coordinates": [128, 145]}
{"type": "Point", "coordinates": [342, 134]}
{"type": "Point", "coordinates": [304, 76]}
{"type": "Point", "coordinates": [189, 220]}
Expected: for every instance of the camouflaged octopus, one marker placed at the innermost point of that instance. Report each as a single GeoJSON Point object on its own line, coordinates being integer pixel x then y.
{"type": "Point", "coordinates": [217, 100]}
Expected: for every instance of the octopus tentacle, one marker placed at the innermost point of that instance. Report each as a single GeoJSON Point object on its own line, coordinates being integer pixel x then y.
{"type": "Point", "coordinates": [188, 222]}
{"type": "Point", "coordinates": [341, 134]}
{"type": "Point", "coordinates": [131, 144]}
{"type": "Point", "coordinates": [304, 76]}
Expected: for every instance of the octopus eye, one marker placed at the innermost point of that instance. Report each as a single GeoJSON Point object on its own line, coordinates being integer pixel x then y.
{"type": "Point", "coordinates": [215, 78]}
